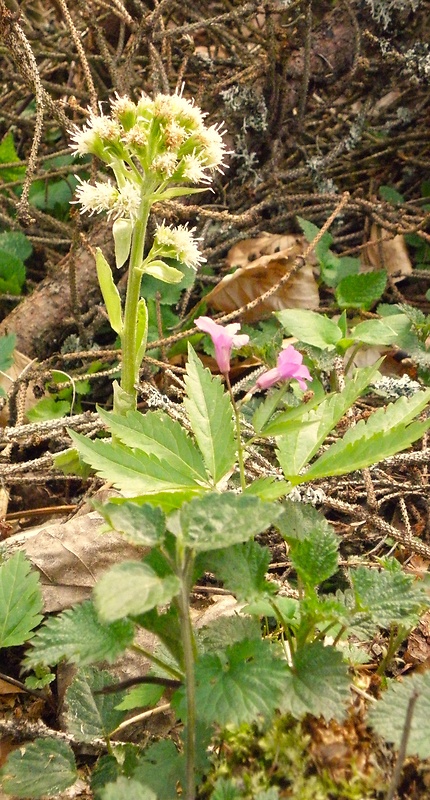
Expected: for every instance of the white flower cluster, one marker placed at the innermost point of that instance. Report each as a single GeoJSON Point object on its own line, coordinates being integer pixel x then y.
{"type": "Point", "coordinates": [178, 243]}
{"type": "Point", "coordinates": [148, 145]}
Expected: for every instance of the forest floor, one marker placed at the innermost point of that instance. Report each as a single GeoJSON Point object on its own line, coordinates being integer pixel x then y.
{"type": "Point", "coordinates": [326, 109]}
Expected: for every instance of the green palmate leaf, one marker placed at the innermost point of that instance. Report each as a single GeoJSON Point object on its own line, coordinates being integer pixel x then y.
{"type": "Point", "coordinates": [388, 431]}
{"type": "Point", "coordinates": [318, 684]}
{"type": "Point", "coordinates": [43, 767]}
{"type": "Point", "coordinates": [48, 408]}
{"type": "Point", "coordinates": [109, 291]}
{"type": "Point", "coordinates": [315, 558]}
{"type": "Point", "coordinates": [142, 525]}
{"type": "Point", "coordinates": [159, 769]}
{"type": "Point", "coordinates": [78, 635]}
{"type": "Point", "coordinates": [158, 435]}
{"type": "Point", "coordinates": [268, 489]}
{"type": "Point", "coordinates": [127, 789]}
{"type": "Point", "coordinates": [20, 601]}
{"type": "Point", "coordinates": [7, 346]}
{"type": "Point", "coordinates": [131, 588]}
{"type": "Point", "coordinates": [310, 328]}
{"type": "Point", "coordinates": [361, 291]}
{"type": "Point", "coordinates": [239, 685]}
{"type": "Point", "coordinates": [302, 438]}
{"type": "Point", "coordinates": [390, 597]}
{"type": "Point", "coordinates": [90, 715]}
{"type": "Point", "coordinates": [242, 569]}
{"type": "Point", "coordinates": [211, 417]}
{"type": "Point", "coordinates": [219, 520]}
{"type": "Point", "coordinates": [132, 472]}
{"type": "Point", "coordinates": [391, 725]}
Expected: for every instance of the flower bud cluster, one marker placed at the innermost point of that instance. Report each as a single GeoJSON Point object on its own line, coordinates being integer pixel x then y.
{"type": "Point", "coordinates": [148, 145]}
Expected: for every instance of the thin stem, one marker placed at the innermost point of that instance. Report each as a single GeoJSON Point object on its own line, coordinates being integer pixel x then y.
{"type": "Point", "coordinates": [238, 437]}
{"type": "Point", "coordinates": [128, 397]}
{"type": "Point", "coordinates": [189, 657]}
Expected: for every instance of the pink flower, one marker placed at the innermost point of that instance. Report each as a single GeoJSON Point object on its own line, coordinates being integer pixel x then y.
{"type": "Point", "coordinates": [224, 339]}
{"type": "Point", "coordinates": [289, 366]}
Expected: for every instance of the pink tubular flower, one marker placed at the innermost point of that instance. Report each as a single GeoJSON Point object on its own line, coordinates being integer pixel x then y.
{"type": "Point", "coordinates": [289, 366]}
{"type": "Point", "coordinates": [224, 339]}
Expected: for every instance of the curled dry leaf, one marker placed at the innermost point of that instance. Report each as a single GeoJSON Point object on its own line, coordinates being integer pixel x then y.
{"type": "Point", "coordinates": [261, 263]}
{"type": "Point", "coordinates": [385, 251]}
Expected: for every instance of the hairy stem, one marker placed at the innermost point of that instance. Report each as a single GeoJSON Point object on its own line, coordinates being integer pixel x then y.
{"type": "Point", "coordinates": [189, 658]}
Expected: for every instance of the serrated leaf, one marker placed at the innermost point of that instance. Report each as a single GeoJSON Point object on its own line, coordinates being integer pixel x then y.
{"type": "Point", "coordinates": [219, 520]}
{"type": "Point", "coordinates": [43, 767]}
{"type": "Point", "coordinates": [382, 435]}
{"type": "Point", "coordinates": [132, 472]}
{"type": "Point", "coordinates": [225, 631]}
{"type": "Point", "coordinates": [48, 408]}
{"type": "Point", "coordinates": [301, 439]}
{"type": "Point", "coordinates": [389, 596]}
{"type": "Point", "coordinates": [131, 588]}
{"type": "Point", "coordinates": [239, 685]}
{"type": "Point", "coordinates": [316, 557]}
{"type": "Point", "coordinates": [89, 715]}
{"type": "Point", "coordinates": [318, 684]}
{"type": "Point", "coordinates": [211, 416]}
{"type": "Point", "coordinates": [166, 627]}
{"type": "Point", "coordinates": [143, 525]}
{"type": "Point", "coordinates": [361, 291]}
{"type": "Point", "coordinates": [127, 789]}
{"type": "Point", "coordinates": [158, 435]}
{"type": "Point", "coordinates": [310, 328]}
{"type": "Point", "coordinates": [105, 771]}
{"type": "Point", "coordinates": [268, 489]}
{"type": "Point", "coordinates": [20, 601]}
{"type": "Point", "coordinates": [391, 725]}
{"type": "Point", "coordinates": [242, 569]}
{"type": "Point", "coordinates": [299, 520]}
{"type": "Point", "coordinates": [78, 635]}
{"type": "Point", "coordinates": [159, 768]}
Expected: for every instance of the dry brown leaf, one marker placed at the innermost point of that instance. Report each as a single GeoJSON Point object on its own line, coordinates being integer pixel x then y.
{"type": "Point", "coordinates": [261, 263]}
{"type": "Point", "coordinates": [385, 251]}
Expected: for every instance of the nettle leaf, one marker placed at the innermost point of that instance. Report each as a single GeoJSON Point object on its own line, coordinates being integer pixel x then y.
{"type": "Point", "coordinates": [310, 328]}
{"type": "Point", "coordinates": [166, 627]}
{"type": "Point", "coordinates": [242, 569]}
{"type": "Point", "coordinates": [16, 243]}
{"type": "Point", "coordinates": [301, 439]}
{"type": "Point", "coordinates": [389, 596]}
{"type": "Point", "coordinates": [361, 291]}
{"type": "Point", "coordinates": [238, 685]}
{"type": "Point", "coordinates": [218, 520]}
{"type": "Point", "coordinates": [317, 684]}
{"type": "Point", "coordinates": [388, 431]}
{"type": "Point", "coordinates": [43, 767]}
{"type": "Point", "coordinates": [20, 601]}
{"type": "Point", "coordinates": [159, 768]}
{"type": "Point", "coordinates": [127, 789]}
{"type": "Point", "coordinates": [225, 631]}
{"type": "Point", "coordinates": [211, 417]}
{"type": "Point", "coordinates": [158, 435]}
{"type": "Point", "coordinates": [131, 588]}
{"type": "Point", "coordinates": [89, 715]}
{"type": "Point", "coordinates": [316, 557]}
{"type": "Point", "coordinates": [143, 525]}
{"type": "Point", "coordinates": [132, 472]}
{"type": "Point", "coordinates": [391, 725]}
{"type": "Point", "coordinates": [78, 635]}
{"type": "Point", "coordinates": [299, 520]}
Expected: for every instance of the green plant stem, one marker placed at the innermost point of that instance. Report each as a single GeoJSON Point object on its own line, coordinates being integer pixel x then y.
{"type": "Point", "coordinates": [238, 437]}
{"type": "Point", "coordinates": [189, 658]}
{"type": "Point", "coordinates": [126, 400]}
